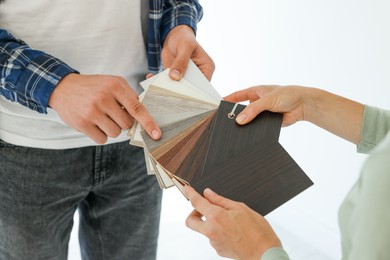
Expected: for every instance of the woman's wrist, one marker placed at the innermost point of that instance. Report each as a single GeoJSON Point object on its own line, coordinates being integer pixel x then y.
{"type": "Point", "coordinates": [310, 104]}
{"type": "Point", "coordinates": [334, 113]}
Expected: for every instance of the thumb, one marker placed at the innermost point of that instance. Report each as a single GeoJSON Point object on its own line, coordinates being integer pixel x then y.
{"type": "Point", "coordinates": [180, 63]}
{"type": "Point", "coordinates": [219, 200]}
{"type": "Point", "coordinates": [252, 110]}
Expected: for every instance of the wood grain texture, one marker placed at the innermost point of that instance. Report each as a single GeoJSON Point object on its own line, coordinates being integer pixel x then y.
{"type": "Point", "coordinates": [192, 165]}
{"type": "Point", "coordinates": [263, 177]}
{"type": "Point", "coordinates": [172, 134]}
{"type": "Point", "coordinates": [167, 107]}
{"type": "Point", "coordinates": [173, 159]}
{"type": "Point", "coordinates": [164, 181]}
{"type": "Point", "coordinates": [230, 139]}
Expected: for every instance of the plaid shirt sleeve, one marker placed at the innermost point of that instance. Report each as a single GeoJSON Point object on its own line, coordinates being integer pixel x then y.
{"type": "Point", "coordinates": [163, 16]}
{"type": "Point", "coordinates": [28, 76]}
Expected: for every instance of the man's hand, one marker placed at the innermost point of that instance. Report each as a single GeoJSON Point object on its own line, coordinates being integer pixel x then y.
{"type": "Point", "coordinates": [234, 230]}
{"type": "Point", "coordinates": [180, 45]}
{"type": "Point", "coordinates": [100, 106]}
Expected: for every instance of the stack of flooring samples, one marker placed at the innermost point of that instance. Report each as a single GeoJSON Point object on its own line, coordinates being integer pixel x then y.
{"type": "Point", "coordinates": [204, 147]}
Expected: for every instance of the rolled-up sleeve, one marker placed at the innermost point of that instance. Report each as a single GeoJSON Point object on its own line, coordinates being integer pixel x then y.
{"type": "Point", "coordinates": [375, 126]}
{"type": "Point", "coordinates": [187, 12]}
{"type": "Point", "coordinates": [275, 253]}
{"type": "Point", "coordinates": [28, 76]}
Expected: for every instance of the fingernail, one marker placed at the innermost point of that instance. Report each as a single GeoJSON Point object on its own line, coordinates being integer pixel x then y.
{"type": "Point", "coordinates": [241, 118]}
{"type": "Point", "coordinates": [175, 74]}
{"type": "Point", "coordinates": [209, 192]}
{"type": "Point", "coordinates": [155, 134]}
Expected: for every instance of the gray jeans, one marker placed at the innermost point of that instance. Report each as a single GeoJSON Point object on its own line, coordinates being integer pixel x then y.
{"type": "Point", "coordinates": [40, 190]}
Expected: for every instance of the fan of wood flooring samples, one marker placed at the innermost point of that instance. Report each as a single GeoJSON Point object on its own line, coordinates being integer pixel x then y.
{"type": "Point", "coordinates": [204, 147]}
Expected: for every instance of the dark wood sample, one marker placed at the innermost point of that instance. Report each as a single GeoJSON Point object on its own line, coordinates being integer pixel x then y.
{"type": "Point", "coordinates": [263, 177]}
{"type": "Point", "coordinates": [230, 139]}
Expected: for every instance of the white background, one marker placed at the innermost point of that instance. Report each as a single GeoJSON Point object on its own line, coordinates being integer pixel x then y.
{"type": "Point", "coordinates": [338, 45]}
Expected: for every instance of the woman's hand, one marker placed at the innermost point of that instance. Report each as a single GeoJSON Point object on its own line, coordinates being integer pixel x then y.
{"type": "Point", "coordinates": [234, 230]}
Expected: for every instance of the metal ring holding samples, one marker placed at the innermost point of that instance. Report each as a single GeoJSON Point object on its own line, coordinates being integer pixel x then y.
{"type": "Point", "coordinates": [231, 115]}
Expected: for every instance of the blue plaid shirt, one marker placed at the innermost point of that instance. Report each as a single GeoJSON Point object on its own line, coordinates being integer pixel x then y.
{"type": "Point", "coordinates": [29, 76]}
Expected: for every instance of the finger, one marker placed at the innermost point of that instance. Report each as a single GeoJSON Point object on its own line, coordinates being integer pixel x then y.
{"type": "Point", "coordinates": [251, 94]}
{"type": "Point", "coordinates": [202, 205]}
{"type": "Point", "coordinates": [249, 113]}
{"type": "Point", "coordinates": [96, 134]}
{"type": "Point", "coordinates": [180, 62]}
{"type": "Point", "coordinates": [134, 107]}
{"type": "Point", "coordinates": [149, 75]}
{"type": "Point", "coordinates": [220, 200]}
{"type": "Point", "coordinates": [121, 117]}
{"type": "Point", "coordinates": [139, 112]}
{"type": "Point", "coordinates": [252, 110]}
{"type": "Point", "coordinates": [108, 126]}
{"type": "Point", "coordinates": [195, 222]}
{"type": "Point", "coordinates": [207, 70]}
{"type": "Point", "coordinates": [204, 62]}
{"type": "Point", "coordinates": [238, 96]}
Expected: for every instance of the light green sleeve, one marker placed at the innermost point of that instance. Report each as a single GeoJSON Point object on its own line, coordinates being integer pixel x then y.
{"type": "Point", "coordinates": [365, 214]}
{"type": "Point", "coordinates": [376, 124]}
{"type": "Point", "coordinates": [275, 253]}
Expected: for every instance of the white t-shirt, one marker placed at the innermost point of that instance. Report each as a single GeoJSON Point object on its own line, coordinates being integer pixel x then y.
{"type": "Point", "coordinates": [91, 36]}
